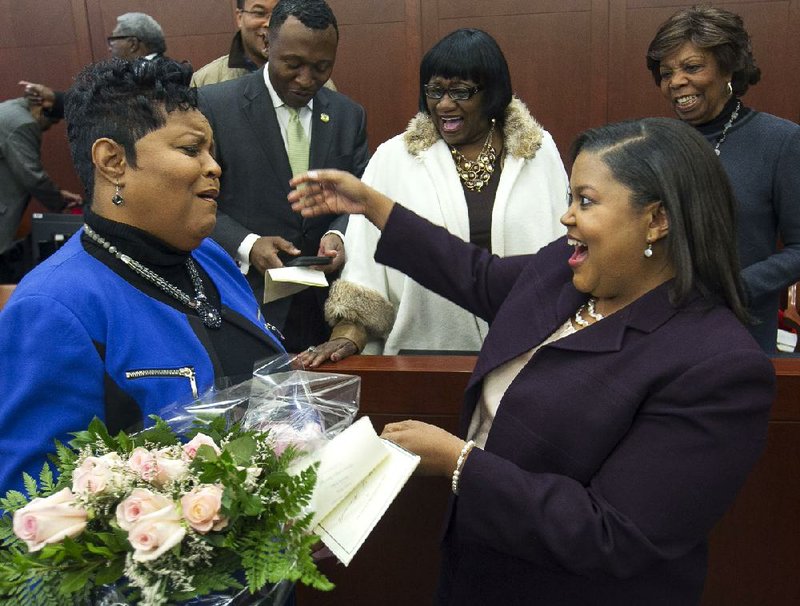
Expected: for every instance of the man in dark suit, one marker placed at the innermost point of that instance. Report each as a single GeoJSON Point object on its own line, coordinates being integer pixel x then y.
{"type": "Point", "coordinates": [252, 120]}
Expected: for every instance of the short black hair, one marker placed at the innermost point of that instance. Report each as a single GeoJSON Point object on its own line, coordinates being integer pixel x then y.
{"type": "Point", "coordinates": [470, 54]}
{"type": "Point", "coordinates": [314, 14]}
{"type": "Point", "coordinates": [123, 101]}
{"type": "Point", "coordinates": [716, 30]}
{"type": "Point", "coordinates": [665, 160]}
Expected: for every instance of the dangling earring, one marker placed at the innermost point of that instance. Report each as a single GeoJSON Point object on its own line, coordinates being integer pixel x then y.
{"type": "Point", "coordinates": [648, 252]}
{"type": "Point", "coordinates": [730, 89]}
{"type": "Point", "coordinates": [117, 198]}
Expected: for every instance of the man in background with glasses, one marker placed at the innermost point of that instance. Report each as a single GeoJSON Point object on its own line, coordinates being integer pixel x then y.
{"type": "Point", "coordinates": [136, 36]}
{"type": "Point", "coordinates": [249, 48]}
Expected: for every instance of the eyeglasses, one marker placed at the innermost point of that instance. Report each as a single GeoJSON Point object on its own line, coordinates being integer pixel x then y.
{"type": "Point", "coordinates": [460, 93]}
{"type": "Point", "coordinates": [111, 39]}
{"type": "Point", "coordinates": [259, 14]}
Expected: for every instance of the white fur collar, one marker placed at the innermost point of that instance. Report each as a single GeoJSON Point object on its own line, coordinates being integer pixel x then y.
{"type": "Point", "coordinates": [522, 134]}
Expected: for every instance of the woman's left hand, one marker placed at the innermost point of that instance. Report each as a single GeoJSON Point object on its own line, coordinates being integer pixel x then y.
{"type": "Point", "coordinates": [438, 449]}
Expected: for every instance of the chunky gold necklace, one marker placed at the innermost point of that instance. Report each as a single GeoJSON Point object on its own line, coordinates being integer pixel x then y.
{"type": "Point", "coordinates": [474, 174]}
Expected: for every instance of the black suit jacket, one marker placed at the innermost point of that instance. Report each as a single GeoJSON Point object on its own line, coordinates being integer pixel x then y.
{"type": "Point", "coordinates": [256, 171]}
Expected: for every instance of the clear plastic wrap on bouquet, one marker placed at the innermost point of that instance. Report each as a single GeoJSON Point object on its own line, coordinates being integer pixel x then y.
{"type": "Point", "coordinates": [297, 407]}
{"type": "Point", "coordinates": [203, 503]}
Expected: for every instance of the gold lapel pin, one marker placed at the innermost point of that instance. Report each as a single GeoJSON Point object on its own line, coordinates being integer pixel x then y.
{"type": "Point", "coordinates": [324, 117]}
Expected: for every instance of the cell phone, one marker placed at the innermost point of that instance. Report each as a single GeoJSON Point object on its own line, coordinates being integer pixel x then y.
{"type": "Point", "coordinates": [306, 261]}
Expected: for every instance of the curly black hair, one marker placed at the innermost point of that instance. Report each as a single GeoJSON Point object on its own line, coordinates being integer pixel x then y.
{"type": "Point", "coordinates": [123, 101]}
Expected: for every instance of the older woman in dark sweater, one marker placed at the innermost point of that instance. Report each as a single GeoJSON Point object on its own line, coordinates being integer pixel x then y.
{"type": "Point", "coordinates": [702, 59]}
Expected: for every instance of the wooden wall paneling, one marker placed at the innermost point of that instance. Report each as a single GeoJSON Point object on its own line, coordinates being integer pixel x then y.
{"type": "Point", "coordinates": [377, 61]}
{"type": "Point", "coordinates": [47, 44]}
{"type": "Point", "coordinates": [794, 60]}
{"type": "Point", "coordinates": [195, 30]}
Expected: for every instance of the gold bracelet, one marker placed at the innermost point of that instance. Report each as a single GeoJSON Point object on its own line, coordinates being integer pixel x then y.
{"type": "Point", "coordinates": [468, 446]}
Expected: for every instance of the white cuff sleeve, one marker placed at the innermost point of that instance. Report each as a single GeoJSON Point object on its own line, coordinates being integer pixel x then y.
{"type": "Point", "coordinates": [334, 231]}
{"type": "Point", "coordinates": [243, 252]}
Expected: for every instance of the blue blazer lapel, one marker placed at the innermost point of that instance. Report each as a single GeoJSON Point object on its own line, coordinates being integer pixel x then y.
{"type": "Point", "coordinates": [260, 116]}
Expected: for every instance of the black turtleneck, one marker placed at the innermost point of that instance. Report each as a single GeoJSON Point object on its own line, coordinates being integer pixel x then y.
{"type": "Point", "coordinates": [234, 348]}
{"type": "Point", "coordinates": [717, 124]}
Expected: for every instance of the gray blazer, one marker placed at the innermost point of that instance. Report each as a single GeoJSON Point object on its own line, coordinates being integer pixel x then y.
{"type": "Point", "coordinates": [21, 171]}
{"type": "Point", "coordinates": [255, 167]}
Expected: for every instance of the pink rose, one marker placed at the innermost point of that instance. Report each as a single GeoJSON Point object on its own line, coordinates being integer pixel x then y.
{"type": "Point", "coordinates": [143, 463]}
{"type": "Point", "coordinates": [190, 448]}
{"type": "Point", "coordinates": [141, 502]}
{"type": "Point", "coordinates": [168, 468]}
{"type": "Point", "coordinates": [156, 533]}
{"type": "Point", "coordinates": [49, 520]}
{"type": "Point", "coordinates": [98, 474]}
{"type": "Point", "coordinates": [286, 434]}
{"type": "Point", "coordinates": [201, 508]}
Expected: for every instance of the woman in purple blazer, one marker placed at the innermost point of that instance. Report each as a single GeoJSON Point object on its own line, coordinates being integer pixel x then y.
{"type": "Point", "coordinates": [618, 401]}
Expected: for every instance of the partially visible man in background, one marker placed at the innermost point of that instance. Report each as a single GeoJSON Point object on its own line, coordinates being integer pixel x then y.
{"type": "Point", "coordinates": [22, 176]}
{"type": "Point", "coordinates": [249, 48]}
{"type": "Point", "coordinates": [136, 36]}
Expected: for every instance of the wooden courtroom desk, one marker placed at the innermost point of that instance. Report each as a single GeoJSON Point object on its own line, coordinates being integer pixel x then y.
{"type": "Point", "coordinates": [755, 549]}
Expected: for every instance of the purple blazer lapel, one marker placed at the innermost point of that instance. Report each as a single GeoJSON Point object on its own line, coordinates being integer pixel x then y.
{"type": "Point", "coordinates": [645, 314]}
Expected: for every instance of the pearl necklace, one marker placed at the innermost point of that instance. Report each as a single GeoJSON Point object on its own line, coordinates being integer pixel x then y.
{"type": "Point", "coordinates": [476, 173]}
{"type": "Point", "coordinates": [211, 317]}
{"type": "Point", "coordinates": [727, 126]}
{"type": "Point", "coordinates": [589, 307]}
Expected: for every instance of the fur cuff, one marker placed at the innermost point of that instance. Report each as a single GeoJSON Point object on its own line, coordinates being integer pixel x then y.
{"type": "Point", "coordinates": [351, 302]}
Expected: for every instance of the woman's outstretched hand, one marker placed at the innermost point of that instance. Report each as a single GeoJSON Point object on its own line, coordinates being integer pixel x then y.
{"type": "Point", "coordinates": [328, 191]}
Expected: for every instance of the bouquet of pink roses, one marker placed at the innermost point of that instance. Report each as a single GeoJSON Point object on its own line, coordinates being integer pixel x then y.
{"type": "Point", "coordinates": [166, 515]}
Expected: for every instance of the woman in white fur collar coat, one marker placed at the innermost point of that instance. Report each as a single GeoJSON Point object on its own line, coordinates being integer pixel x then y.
{"type": "Point", "coordinates": [474, 161]}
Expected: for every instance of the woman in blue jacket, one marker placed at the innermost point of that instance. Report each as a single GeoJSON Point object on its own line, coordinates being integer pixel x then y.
{"type": "Point", "coordinates": [139, 310]}
{"type": "Point", "coordinates": [618, 402]}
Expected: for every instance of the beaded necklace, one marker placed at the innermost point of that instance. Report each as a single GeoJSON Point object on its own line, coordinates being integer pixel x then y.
{"type": "Point", "coordinates": [210, 316]}
{"type": "Point", "coordinates": [590, 309]}
{"type": "Point", "coordinates": [727, 126]}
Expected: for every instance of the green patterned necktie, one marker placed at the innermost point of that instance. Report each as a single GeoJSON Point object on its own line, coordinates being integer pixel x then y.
{"type": "Point", "coordinates": [296, 144]}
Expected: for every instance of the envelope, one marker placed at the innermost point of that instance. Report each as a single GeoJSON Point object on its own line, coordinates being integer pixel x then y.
{"type": "Point", "coordinates": [285, 281]}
